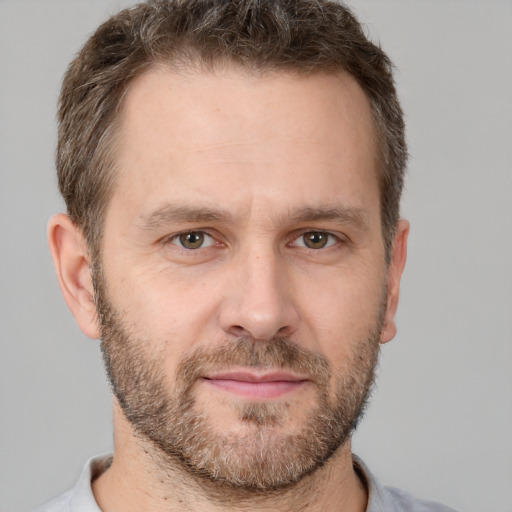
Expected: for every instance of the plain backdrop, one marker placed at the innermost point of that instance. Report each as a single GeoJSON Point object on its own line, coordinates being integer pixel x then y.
{"type": "Point", "coordinates": [440, 421]}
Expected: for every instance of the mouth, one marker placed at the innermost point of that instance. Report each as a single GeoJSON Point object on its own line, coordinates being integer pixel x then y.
{"type": "Point", "coordinates": [256, 386]}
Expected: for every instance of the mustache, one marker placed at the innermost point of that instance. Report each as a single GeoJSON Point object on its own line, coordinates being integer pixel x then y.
{"type": "Point", "coordinates": [276, 353]}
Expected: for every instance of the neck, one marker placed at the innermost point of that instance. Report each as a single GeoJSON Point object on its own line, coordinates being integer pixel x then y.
{"type": "Point", "coordinates": [138, 481]}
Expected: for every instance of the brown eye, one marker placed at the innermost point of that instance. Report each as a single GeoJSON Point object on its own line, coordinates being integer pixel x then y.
{"type": "Point", "coordinates": [316, 239]}
{"type": "Point", "coordinates": [191, 240]}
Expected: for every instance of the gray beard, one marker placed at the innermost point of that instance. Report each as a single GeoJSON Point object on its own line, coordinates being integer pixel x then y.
{"type": "Point", "coordinates": [262, 460]}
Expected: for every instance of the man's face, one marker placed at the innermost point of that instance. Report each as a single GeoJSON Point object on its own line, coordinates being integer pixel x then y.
{"type": "Point", "coordinates": [243, 278]}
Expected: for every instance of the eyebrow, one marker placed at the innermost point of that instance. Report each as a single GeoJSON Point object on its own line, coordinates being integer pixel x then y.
{"type": "Point", "coordinates": [172, 213]}
{"type": "Point", "coordinates": [354, 216]}
{"type": "Point", "coordinates": [169, 214]}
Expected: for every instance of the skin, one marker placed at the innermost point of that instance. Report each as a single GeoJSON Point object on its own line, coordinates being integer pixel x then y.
{"type": "Point", "coordinates": [263, 153]}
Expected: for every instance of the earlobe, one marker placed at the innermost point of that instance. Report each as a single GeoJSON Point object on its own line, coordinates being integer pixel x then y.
{"type": "Point", "coordinates": [71, 261]}
{"type": "Point", "coordinates": [394, 275]}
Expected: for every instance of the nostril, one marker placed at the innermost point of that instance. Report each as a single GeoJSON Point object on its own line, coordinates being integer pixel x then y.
{"type": "Point", "coordinates": [238, 330]}
{"type": "Point", "coordinates": [284, 331]}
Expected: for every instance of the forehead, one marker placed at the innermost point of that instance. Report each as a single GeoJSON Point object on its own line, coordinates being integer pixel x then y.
{"type": "Point", "coordinates": [234, 136]}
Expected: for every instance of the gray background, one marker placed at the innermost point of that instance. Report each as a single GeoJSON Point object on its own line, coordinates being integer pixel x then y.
{"type": "Point", "coordinates": [440, 422]}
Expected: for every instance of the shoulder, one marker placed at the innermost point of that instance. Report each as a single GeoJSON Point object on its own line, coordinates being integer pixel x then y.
{"type": "Point", "coordinates": [80, 498]}
{"type": "Point", "coordinates": [405, 502]}
{"type": "Point", "coordinates": [59, 504]}
{"type": "Point", "coordinates": [382, 498]}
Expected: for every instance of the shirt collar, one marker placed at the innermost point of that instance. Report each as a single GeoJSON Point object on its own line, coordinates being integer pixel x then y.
{"type": "Point", "coordinates": [82, 498]}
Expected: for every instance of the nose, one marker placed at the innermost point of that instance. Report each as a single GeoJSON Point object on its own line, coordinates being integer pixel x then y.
{"type": "Point", "coordinates": [259, 302]}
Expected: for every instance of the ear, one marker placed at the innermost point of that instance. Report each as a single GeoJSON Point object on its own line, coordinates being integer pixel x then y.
{"type": "Point", "coordinates": [71, 261]}
{"type": "Point", "coordinates": [394, 274]}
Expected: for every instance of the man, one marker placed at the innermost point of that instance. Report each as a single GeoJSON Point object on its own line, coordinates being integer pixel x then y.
{"type": "Point", "coordinates": [232, 172]}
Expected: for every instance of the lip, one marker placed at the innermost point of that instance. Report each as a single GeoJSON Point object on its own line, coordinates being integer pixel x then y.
{"type": "Point", "coordinates": [256, 386]}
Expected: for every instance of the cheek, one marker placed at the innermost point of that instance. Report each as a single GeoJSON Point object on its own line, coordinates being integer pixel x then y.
{"type": "Point", "coordinates": [344, 312]}
{"type": "Point", "coordinates": [164, 306]}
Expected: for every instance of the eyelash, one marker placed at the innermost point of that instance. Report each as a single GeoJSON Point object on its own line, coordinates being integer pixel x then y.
{"type": "Point", "coordinates": [176, 238]}
{"type": "Point", "coordinates": [331, 240]}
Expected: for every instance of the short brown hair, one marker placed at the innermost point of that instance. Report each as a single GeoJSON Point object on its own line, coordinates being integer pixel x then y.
{"type": "Point", "coordinates": [301, 36]}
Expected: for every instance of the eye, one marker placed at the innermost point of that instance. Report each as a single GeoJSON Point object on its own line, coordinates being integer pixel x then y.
{"type": "Point", "coordinates": [193, 240]}
{"type": "Point", "coordinates": [315, 240]}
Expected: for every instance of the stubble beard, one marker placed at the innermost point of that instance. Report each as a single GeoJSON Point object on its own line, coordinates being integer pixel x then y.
{"type": "Point", "coordinates": [265, 458]}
